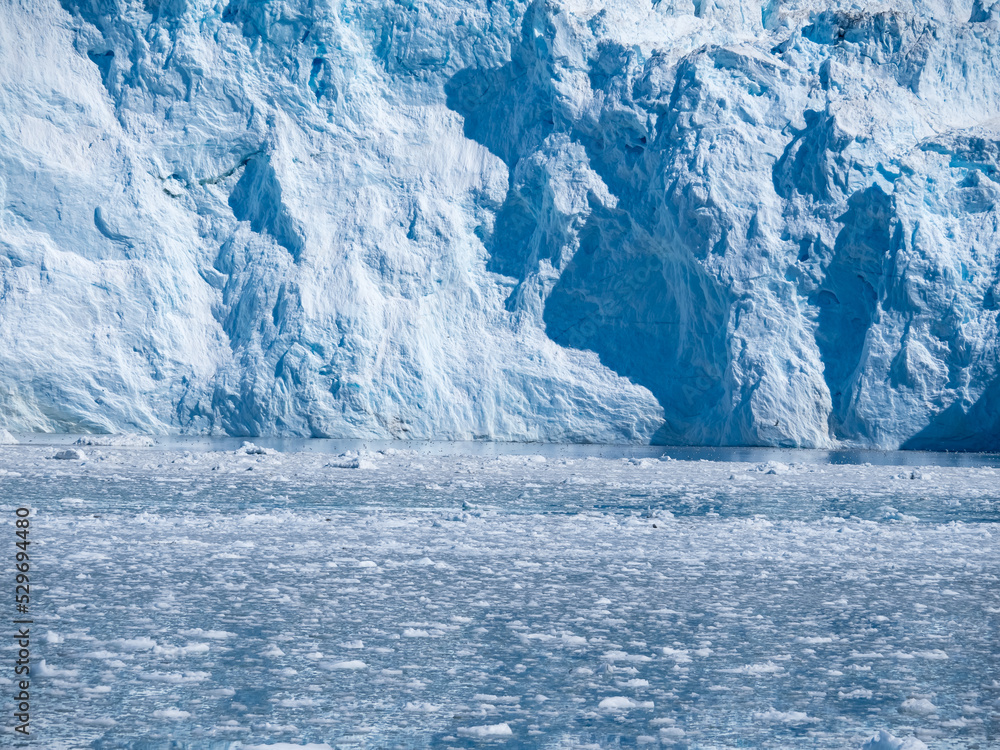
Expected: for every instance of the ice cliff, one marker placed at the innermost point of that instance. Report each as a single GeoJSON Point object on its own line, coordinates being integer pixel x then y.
{"type": "Point", "coordinates": [695, 222]}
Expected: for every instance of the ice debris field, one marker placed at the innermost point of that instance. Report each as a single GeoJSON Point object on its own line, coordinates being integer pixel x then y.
{"type": "Point", "coordinates": [228, 596]}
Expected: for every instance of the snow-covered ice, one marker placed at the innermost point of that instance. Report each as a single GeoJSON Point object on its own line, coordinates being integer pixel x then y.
{"type": "Point", "coordinates": [229, 599]}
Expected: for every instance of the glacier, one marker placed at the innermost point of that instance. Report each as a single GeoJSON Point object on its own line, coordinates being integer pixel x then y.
{"type": "Point", "coordinates": [679, 222]}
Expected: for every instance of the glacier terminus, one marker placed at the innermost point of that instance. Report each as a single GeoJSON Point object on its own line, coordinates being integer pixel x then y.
{"type": "Point", "coordinates": [710, 222]}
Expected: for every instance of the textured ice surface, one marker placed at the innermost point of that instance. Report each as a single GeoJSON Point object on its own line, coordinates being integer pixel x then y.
{"type": "Point", "coordinates": [700, 222]}
{"type": "Point", "coordinates": [212, 598]}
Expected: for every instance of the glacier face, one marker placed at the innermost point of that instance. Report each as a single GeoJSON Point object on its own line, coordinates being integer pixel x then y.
{"type": "Point", "coordinates": [699, 222]}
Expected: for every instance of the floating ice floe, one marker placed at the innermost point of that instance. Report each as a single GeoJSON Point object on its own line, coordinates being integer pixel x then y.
{"type": "Point", "coordinates": [883, 740]}
{"type": "Point", "coordinates": [45, 670]}
{"type": "Point", "coordinates": [353, 664]}
{"type": "Point", "coordinates": [70, 454]}
{"type": "Point", "coordinates": [487, 731]}
{"type": "Point", "coordinates": [773, 716]}
{"type": "Point", "coordinates": [622, 703]}
{"type": "Point", "coordinates": [918, 707]}
{"type": "Point", "coordinates": [255, 450]}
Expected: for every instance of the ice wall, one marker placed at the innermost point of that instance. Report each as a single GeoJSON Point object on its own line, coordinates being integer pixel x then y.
{"type": "Point", "coordinates": [709, 222]}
